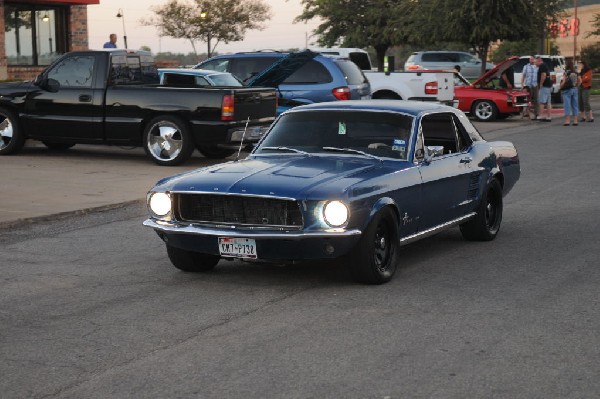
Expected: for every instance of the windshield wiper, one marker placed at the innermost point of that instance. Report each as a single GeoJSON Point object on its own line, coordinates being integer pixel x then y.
{"type": "Point", "coordinates": [352, 151]}
{"type": "Point", "coordinates": [286, 149]}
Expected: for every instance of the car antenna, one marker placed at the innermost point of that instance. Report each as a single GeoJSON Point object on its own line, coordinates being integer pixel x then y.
{"type": "Point", "coordinates": [242, 142]}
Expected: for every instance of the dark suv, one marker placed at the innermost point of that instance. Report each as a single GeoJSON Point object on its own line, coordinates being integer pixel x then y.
{"type": "Point", "coordinates": [320, 79]}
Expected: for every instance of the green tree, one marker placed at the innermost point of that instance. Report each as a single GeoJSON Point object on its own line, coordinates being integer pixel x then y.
{"type": "Point", "coordinates": [208, 20]}
{"type": "Point", "coordinates": [595, 25]}
{"type": "Point", "coordinates": [591, 54]}
{"type": "Point", "coordinates": [356, 23]}
{"type": "Point", "coordinates": [521, 47]}
{"type": "Point", "coordinates": [478, 23]}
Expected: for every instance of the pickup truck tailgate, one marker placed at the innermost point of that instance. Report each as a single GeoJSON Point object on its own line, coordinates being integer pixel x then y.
{"type": "Point", "coordinates": [255, 103]}
{"type": "Point", "coordinates": [445, 86]}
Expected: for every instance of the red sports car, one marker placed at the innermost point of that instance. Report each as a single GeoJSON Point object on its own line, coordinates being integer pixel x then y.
{"type": "Point", "coordinates": [485, 99]}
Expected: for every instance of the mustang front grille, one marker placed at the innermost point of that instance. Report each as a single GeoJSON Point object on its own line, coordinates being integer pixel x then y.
{"type": "Point", "coordinates": [238, 210]}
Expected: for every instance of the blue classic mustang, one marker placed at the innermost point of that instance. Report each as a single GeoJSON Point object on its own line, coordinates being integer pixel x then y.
{"type": "Point", "coordinates": [353, 179]}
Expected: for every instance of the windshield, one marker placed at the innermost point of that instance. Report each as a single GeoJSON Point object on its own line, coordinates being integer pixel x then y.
{"type": "Point", "coordinates": [382, 134]}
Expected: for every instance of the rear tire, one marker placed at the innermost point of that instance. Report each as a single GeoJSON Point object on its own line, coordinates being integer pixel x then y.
{"type": "Point", "coordinates": [12, 138]}
{"type": "Point", "coordinates": [374, 259]}
{"type": "Point", "coordinates": [486, 224]}
{"type": "Point", "coordinates": [191, 262]}
{"type": "Point", "coordinates": [214, 152]}
{"type": "Point", "coordinates": [167, 140]}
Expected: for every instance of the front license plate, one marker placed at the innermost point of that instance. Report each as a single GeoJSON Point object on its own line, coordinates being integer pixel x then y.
{"type": "Point", "coordinates": [237, 247]}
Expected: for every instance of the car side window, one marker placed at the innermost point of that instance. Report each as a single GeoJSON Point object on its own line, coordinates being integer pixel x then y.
{"type": "Point", "coordinates": [463, 140]}
{"type": "Point", "coordinates": [245, 68]}
{"type": "Point", "coordinates": [219, 65]}
{"type": "Point", "coordinates": [312, 72]}
{"type": "Point", "coordinates": [440, 130]}
{"type": "Point", "coordinates": [76, 71]}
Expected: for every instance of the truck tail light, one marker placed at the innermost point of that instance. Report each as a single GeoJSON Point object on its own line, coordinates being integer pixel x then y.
{"type": "Point", "coordinates": [341, 93]}
{"type": "Point", "coordinates": [431, 87]}
{"type": "Point", "coordinates": [227, 107]}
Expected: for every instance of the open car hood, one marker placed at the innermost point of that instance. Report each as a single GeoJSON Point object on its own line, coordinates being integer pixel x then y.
{"type": "Point", "coordinates": [282, 69]}
{"type": "Point", "coordinates": [496, 71]}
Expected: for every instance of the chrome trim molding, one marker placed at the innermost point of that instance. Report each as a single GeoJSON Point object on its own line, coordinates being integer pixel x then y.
{"type": "Point", "coordinates": [176, 228]}
{"type": "Point", "coordinates": [268, 196]}
{"type": "Point", "coordinates": [436, 229]}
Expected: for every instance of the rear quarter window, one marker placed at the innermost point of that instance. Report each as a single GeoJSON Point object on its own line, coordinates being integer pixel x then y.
{"type": "Point", "coordinates": [352, 73]}
{"type": "Point", "coordinates": [361, 59]}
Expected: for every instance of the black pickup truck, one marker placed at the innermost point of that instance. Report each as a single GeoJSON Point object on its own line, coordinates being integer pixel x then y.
{"type": "Point", "coordinates": [113, 97]}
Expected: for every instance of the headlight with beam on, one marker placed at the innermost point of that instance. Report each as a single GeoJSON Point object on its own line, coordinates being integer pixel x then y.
{"type": "Point", "coordinates": [159, 203]}
{"type": "Point", "coordinates": [335, 213]}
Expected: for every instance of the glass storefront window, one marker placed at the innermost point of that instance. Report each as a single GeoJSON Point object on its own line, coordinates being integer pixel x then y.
{"type": "Point", "coordinates": [34, 35]}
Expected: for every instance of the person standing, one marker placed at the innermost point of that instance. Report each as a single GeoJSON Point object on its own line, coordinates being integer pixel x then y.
{"type": "Point", "coordinates": [529, 82]}
{"type": "Point", "coordinates": [585, 88]}
{"type": "Point", "coordinates": [544, 90]}
{"type": "Point", "coordinates": [568, 89]}
{"type": "Point", "coordinates": [112, 42]}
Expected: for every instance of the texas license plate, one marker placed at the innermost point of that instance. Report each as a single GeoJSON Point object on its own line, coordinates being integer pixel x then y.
{"type": "Point", "coordinates": [237, 247]}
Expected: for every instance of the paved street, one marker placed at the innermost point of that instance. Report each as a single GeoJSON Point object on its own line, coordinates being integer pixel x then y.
{"type": "Point", "coordinates": [90, 306]}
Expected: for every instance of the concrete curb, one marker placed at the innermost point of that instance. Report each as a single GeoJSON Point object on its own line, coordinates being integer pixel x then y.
{"type": "Point", "coordinates": [65, 215]}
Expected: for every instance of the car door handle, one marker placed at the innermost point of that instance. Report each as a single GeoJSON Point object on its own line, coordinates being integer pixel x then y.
{"type": "Point", "coordinates": [85, 98]}
{"type": "Point", "coordinates": [466, 160]}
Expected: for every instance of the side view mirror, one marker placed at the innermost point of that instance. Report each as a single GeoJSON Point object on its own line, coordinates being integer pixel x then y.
{"type": "Point", "coordinates": [432, 151]}
{"type": "Point", "coordinates": [48, 84]}
{"type": "Point", "coordinates": [52, 85]}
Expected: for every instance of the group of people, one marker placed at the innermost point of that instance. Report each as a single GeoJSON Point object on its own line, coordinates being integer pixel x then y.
{"type": "Point", "coordinates": [574, 87]}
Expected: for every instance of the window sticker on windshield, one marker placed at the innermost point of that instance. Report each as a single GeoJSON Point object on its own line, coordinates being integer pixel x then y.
{"type": "Point", "coordinates": [342, 128]}
{"type": "Point", "coordinates": [399, 145]}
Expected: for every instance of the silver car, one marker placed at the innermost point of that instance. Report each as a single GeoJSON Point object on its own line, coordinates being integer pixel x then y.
{"type": "Point", "coordinates": [470, 66]}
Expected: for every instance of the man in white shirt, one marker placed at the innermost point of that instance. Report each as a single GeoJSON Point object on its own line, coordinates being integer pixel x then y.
{"type": "Point", "coordinates": [529, 83]}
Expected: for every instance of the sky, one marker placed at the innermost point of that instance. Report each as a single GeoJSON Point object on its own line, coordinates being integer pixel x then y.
{"type": "Point", "coordinates": [281, 32]}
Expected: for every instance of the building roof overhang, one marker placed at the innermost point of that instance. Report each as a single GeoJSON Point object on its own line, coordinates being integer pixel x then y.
{"type": "Point", "coordinates": [62, 2]}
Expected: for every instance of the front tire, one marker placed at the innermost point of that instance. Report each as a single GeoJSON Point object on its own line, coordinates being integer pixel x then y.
{"type": "Point", "coordinates": [486, 224]}
{"type": "Point", "coordinates": [191, 262]}
{"type": "Point", "coordinates": [12, 138]}
{"type": "Point", "coordinates": [374, 259]}
{"type": "Point", "coordinates": [484, 110]}
{"type": "Point", "coordinates": [167, 140]}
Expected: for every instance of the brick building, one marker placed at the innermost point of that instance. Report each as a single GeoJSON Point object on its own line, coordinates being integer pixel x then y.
{"type": "Point", "coordinates": [33, 33]}
{"type": "Point", "coordinates": [570, 33]}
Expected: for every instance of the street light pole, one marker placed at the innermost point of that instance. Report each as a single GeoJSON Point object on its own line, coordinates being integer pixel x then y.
{"type": "Point", "coordinates": [121, 15]}
{"type": "Point", "coordinates": [203, 15]}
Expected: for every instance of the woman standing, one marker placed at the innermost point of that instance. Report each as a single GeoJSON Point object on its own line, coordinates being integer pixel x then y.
{"type": "Point", "coordinates": [569, 88]}
{"type": "Point", "coordinates": [584, 92]}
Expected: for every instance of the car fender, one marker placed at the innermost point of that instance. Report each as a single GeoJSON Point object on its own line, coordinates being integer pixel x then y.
{"type": "Point", "coordinates": [380, 204]}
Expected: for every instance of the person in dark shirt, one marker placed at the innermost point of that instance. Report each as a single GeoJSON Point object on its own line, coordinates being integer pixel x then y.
{"type": "Point", "coordinates": [545, 90]}
{"type": "Point", "coordinates": [507, 79]}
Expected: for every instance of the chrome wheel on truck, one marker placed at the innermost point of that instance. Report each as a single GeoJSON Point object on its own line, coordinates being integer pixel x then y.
{"type": "Point", "coordinates": [167, 141]}
{"type": "Point", "coordinates": [12, 138]}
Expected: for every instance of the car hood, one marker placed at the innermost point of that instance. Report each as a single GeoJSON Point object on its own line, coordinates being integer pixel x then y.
{"type": "Point", "coordinates": [496, 71]}
{"type": "Point", "coordinates": [281, 69]}
{"type": "Point", "coordinates": [292, 176]}
{"type": "Point", "coordinates": [15, 88]}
